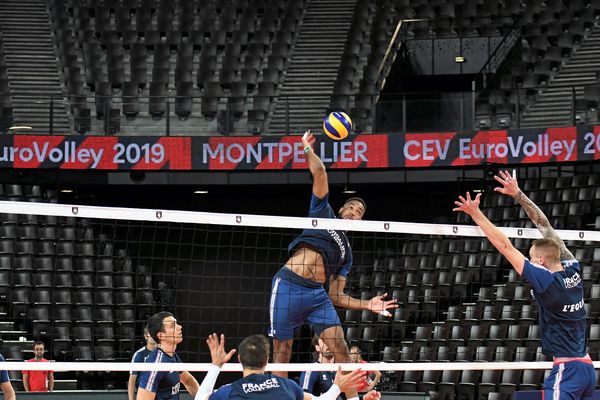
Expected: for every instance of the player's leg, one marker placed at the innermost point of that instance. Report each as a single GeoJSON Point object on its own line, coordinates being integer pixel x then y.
{"type": "Point", "coordinates": [286, 314]}
{"type": "Point", "coordinates": [334, 339]}
{"type": "Point", "coordinates": [282, 353]}
{"type": "Point", "coordinates": [588, 377]}
{"type": "Point", "coordinates": [327, 325]}
{"type": "Point", "coordinates": [562, 384]}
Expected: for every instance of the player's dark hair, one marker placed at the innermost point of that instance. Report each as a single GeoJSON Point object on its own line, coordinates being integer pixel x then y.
{"type": "Point", "coordinates": [254, 352]}
{"type": "Point", "coordinates": [358, 199]}
{"type": "Point", "coordinates": [155, 324]}
{"type": "Point", "coordinates": [314, 343]}
{"type": "Point", "coordinates": [38, 342]}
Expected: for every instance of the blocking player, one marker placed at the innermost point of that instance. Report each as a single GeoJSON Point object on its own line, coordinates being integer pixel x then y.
{"type": "Point", "coordinates": [317, 257]}
{"type": "Point", "coordinates": [555, 276]}
{"type": "Point", "coordinates": [256, 384]}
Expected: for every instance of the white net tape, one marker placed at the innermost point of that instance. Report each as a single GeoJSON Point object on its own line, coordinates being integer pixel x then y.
{"type": "Point", "coordinates": [235, 367]}
{"type": "Point", "coordinates": [142, 214]}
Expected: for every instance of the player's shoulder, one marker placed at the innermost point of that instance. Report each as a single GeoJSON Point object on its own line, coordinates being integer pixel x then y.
{"type": "Point", "coordinates": [287, 382]}
{"type": "Point", "coordinates": [221, 393]}
{"type": "Point", "coordinates": [140, 353]}
{"type": "Point", "coordinates": [156, 355]}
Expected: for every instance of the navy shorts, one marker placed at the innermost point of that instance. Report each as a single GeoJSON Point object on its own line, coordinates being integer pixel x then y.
{"type": "Point", "coordinates": [570, 380]}
{"type": "Point", "coordinates": [296, 300]}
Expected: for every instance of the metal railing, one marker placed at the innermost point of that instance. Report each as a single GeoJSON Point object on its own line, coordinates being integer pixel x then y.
{"type": "Point", "coordinates": [226, 115]}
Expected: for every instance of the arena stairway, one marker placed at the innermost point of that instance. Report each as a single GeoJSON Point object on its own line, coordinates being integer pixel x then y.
{"type": "Point", "coordinates": [553, 103]}
{"type": "Point", "coordinates": [316, 56]}
{"type": "Point", "coordinates": [33, 68]}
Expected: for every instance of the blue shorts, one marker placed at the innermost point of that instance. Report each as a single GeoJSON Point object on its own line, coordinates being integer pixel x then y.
{"type": "Point", "coordinates": [570, 381]}
{"type": "Point", "coordinates": [295, 300]}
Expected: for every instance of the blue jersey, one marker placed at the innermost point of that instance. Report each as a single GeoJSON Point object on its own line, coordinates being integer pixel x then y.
{"type": "Point", "coordinates": [3, 373]}
{"type": "Point", "coordinates": [164, 383]}
{"type": "Point", "coordinates": [260, 387]}
{"type": "Point", "coordinates": [562, 315]}
{"type": "Point", "coordinates": [139, 356]}
{"type": "Point", "coordinates": [332, 245]}
{"type": "Point", "coordinates": [316, 382]}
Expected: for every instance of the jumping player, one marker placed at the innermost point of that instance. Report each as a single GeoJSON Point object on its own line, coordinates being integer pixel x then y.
{"type": "Point", "coordinates": [555, 276]}
{"type": "Point", "coordinates": [318, 256]}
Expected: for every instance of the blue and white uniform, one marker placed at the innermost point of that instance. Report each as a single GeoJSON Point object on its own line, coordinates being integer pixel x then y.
{"type": "Point", "coordinates": [139, 356]}
{"type": "Point", "coordinates": [260, 387]}
{"type": "Point", "coordinates": [295, 299]}
{"type": "Point", "coordinates": [164, 383]}
{"type": "Point", "coordinates": [316, 382]}
{"type": "Point", "coordinates": [563, 327]}
{"type": "Point", "coordinates": [3, 373]}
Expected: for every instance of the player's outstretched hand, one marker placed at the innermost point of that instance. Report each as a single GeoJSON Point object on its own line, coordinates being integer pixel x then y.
{"type": "Point", "coordinates": [217, 350]}
{"type": "Point", "coordinates": [308, 139]}
{"type": "Point", "coordinates": [372, 395]}
{"type": "Point", "coordinates": [349, 381]}
{"type": "Point", "coordinates": [510, 186]}
{"type": "Point", "coordinates": [379, 305]}
{"type": "Point", "coordinates": [468, 205]}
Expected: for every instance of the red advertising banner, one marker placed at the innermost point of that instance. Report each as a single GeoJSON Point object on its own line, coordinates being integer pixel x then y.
{"type": "Point", "coordinates": [394, 150]}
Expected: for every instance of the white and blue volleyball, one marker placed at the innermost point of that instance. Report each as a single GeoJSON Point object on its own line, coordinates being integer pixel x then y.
{"type": "Point", "coordinates": [337, 125]}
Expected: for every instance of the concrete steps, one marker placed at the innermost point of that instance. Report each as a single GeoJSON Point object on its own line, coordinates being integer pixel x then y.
{"type": "Point", "coordinates": [553, 104]}
{"type": "Point", "coordinates": [308, 82]}
{"type": "Point", "coordinates": [33, 67]}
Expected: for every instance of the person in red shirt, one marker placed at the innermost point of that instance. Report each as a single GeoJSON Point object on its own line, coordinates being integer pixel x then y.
{"type": "Point", "coordinates": [372, 377]}
{"type": "Point", "coordinates": [38, 381]}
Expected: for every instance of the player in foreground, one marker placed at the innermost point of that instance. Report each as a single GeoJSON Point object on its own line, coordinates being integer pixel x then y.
{"type": "Point", "coordinates": [253, 354]}
{"type": "Point", "coordinates": [318, 256]}
{"type": "Point", "coordinates": [555, 276]}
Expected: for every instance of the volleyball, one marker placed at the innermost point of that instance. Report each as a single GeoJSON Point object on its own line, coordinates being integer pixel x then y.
{"type": "Point", "coordinates": [337, 125]}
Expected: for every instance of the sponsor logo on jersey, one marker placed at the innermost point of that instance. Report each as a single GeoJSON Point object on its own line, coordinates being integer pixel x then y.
{"type": "Point", "coordinates": [259, 387]}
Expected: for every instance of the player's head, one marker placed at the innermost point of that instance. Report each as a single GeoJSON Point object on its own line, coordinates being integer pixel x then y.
{"type": "Point", "coordinates": [164, 329]}
{"type": "Point", "coordinates": [253, 352]}
{"type": "Point", "coordinates": [355, 354]}
{"type": "Point", "coordinates": [148, 338]}
{"type": "Point", "coordinates": [545, 252]}
{"type": "Point", "coordinates": [353, 208]}
{"type": "Point", "coordinates": [38, 350]}
{"type": "Point", "coordinates": [321, 348]}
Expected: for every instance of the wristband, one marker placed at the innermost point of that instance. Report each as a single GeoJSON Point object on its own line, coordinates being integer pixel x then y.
{"type": "Point", "coordinates": [307, 149]}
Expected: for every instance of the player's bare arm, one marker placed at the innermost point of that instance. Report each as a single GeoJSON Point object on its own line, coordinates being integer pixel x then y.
{"type": "Point", "coordinates": [498, 239]}
{"type": "Point", "coordinates": [190, 383]}
{"type": "Point", "coordinates": [377, 304]}
{"type": "Point", "coordinates": [143, 394]}
{"type": "Point", "coordinates": [510, 187]}
{"type": "Point", "coordinates": [316, 166]}
{"type": "Point", "coordinates": [9, 392]}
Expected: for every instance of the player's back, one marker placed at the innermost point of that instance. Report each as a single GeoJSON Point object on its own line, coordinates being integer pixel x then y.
{"type": "Point", "coordinates": [260, 387]}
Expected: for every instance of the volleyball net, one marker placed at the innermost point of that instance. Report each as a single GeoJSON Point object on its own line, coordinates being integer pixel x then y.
{"type": "Point", "coordinates": [84, 280]}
